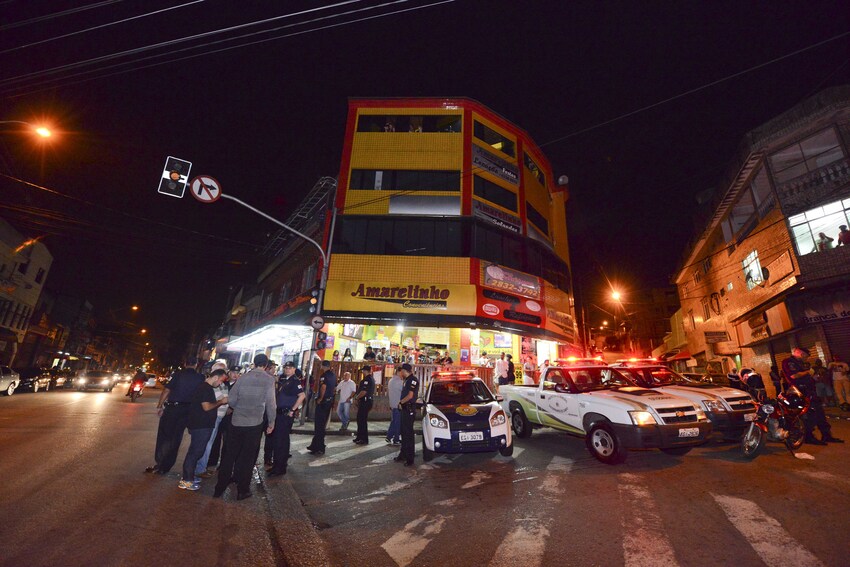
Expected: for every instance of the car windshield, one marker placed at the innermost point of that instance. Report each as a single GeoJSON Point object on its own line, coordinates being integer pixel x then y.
{"type": "Point", "coordinates": [457, 392]}
{"type": "Point", "coordinates": [654, 376]}
{"type": "Point", "coordinates": [588, 378]}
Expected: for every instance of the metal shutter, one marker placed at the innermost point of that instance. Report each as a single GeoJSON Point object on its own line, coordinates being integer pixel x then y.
{"type": "Point", "coordinates": [838, 338]}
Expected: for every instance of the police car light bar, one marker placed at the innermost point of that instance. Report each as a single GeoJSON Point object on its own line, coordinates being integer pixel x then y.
{"type": "Point", "coordinates": [456, 373]}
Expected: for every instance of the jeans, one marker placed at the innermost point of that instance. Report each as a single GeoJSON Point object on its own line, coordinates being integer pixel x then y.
{"type": "Point", "coordinates": [343, 411]}
{"type": "Point", "coordinates": [219, 440]}
{"type": "Point", "coordinates": [240, 456]}
{"type": "Point", "coordinates": [202, 462]}
{"type": "Point", "coordinates": [394, 430]}
{"type": "Point", "coordinates": [169, 435]}
{"type": "Point", "coordinates": [200, 440]}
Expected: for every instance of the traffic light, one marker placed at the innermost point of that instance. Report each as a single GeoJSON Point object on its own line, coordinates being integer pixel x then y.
{"type": "Point", "coordinates": [314, 300]}
{"type": "Point", "coordinates": [321, 340]}
{"type": "Point", "coordinates": [175, 176]}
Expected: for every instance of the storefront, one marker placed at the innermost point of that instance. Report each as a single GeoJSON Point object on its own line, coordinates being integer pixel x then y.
{"type": "Point", "coordinates": [281, 343]}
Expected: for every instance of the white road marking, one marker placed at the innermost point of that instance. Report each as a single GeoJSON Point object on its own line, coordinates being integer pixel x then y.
{"type": "Point", "coordinates": [403, 546]}
{"type": "Point", "coordinates": [337, 457]}
{"type": "Point", "coordinates": [767, 537]}
{"type": "Point", "coordinates": [449, 502]}
{"type": "Point", "coordinates": [644, 540]}
{"type": "Point", "coordinates": [804, 456]}
{"type": "Point", "coordinates": [382, 493]}
{"type": "Point", "coordinates": [524, 545]}
{"type": "Point", "coordinates": [478, 478]}
{"type": "Point", "coordinates": [555, 471]}
{"type": "Point", "coordinates": [385, 459]}
{"type": "Point", "coordinates": [330, 445]}
{"type": "Point", "coordinates": [338, 479]}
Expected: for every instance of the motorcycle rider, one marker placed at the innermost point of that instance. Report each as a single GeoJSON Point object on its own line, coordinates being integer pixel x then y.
{"type": "Point", "coordinates": [139, 378]}
{"type": "Point", "coordinates": [799, 373]}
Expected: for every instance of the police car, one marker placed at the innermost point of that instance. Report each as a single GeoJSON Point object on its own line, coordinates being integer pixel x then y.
{"type": "Point", "coordinates": [461, 415]}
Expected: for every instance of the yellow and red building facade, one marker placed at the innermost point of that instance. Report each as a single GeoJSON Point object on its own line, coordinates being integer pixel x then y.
{"type": "Point", "coordinates": [450, 236]}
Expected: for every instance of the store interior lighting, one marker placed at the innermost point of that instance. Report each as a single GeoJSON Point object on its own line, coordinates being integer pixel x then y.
{"type": "Point", "coordinates": [270, 335]}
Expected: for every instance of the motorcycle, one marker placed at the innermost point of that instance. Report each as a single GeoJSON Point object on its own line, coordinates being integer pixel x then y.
{"type": "Point", "coordinates": [777, 420]}
{"type": "Point", "coordinates": [136, 391]}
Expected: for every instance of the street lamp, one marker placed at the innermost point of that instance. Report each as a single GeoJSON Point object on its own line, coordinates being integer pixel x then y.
{"type": "Point", "coordinates": [143, 331]}
{"type": "Point", "coordinates": [41, 131]}
{"type": "Point", "coordinates": [615, 295]}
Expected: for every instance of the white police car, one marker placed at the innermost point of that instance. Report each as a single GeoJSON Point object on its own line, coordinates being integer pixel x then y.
{"type": "Point", "coordinates": [461, 415]}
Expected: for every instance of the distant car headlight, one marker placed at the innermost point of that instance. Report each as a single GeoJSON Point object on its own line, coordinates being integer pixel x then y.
{"type": "Point", "coordinates": [498, 419]}
{"type": "Point", "coordinates": [82, 380]}
{"type": "Point", "coordinates": [105, 381]}
{"type": "Point", "coordinates": [713, 405]}
{"type": "Point", "coordinates": [437, 421]}
{"type": "Point", "coordinates": [642, 418]}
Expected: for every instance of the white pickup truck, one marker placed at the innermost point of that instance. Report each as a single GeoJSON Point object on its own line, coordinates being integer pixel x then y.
{"type": "Point", "coordinates": [588, 398]}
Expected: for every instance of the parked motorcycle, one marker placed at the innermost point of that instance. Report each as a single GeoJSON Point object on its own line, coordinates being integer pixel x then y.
{"type": "Point", "coordinates": [777, 420]}
{"type": "Point", "coordinates": [136, 391]}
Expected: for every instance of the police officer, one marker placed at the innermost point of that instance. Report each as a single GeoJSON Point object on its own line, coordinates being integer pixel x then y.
{"type": "Point", "coordinates": [363, 399]}
{"type": "Point", "coordinates": [799, 373]}
{"type": "Point", "coordinates": [290, 396]}
{"type": "Point", "coordinates": [407, 405]}
{"type": "Point", "coordinates": [324, 402]}
{"type": "Point", "coordinates": [173, 411]}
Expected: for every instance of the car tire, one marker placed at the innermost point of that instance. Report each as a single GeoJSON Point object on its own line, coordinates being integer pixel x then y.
{"type": "Point", "coordinates": [520, 424]}
{"type": "Point", "coordinates": [676, 451]}
{"type": "Point", "coordinates": [35, 387]}
{"type": "Point", "coordinates": [604, 444]}
{"type": "Point", "coordinates": [506, 451]}
{"type": "Point", "coordinates": [11, 389]}
{"type": "Point", "coordinates": [427, 454]}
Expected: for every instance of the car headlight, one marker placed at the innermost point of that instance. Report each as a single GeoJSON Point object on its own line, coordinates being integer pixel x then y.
{"type": "Point", "coordinates": [105, 381]}
{"type": "Point", "coordinates": [498, 419]}
{"type": "Point", "coordinates": [642, 418]}
{"type": "Point", "coordinates": [437, 421]}
{"type": "Point", "coordinates": [713, 405]}
{"type": "Point", "coordinates": [700, 414]}
{"type": "Point", "coordinates": [82, 380]}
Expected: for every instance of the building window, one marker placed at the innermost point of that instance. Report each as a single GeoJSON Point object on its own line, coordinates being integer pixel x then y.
{"type": "Point", "coordinates": [535, 171]}
{"type": "Point", "coordinates": [496, 194]}
{"type": "Point", "coordinates": [445, 123]}
{"type": "Point", "coordinates": [808, 227]}
{"type": "Point", "coordinates": [404, 180]}
{"type": "Point", "coordinates": [752, 270]}
{"type": "Point", "coordinates": [39, 277]}
{"type": "Point", "coordinates": [697, 277]}
{"type": "Point", "coordinates": [706, 309]}
{"type": "Point", "coordinates": [757, 197]}
{"type": "Point", "coordinates": [267, 303]}
{"type": "Point", "coordinates": [808, 155]}
{"type": "Point", "coordinates": [536, 218]}
{"type": "Point", "coordinates": [285, 293]}
{"type": "Point", "coordinates": [691, 319]}
{"type": "Point", "coordinates": [494, 139]}
{"type": "Point", "coordinates": [23, 267]}
{"type": "Point", "coordinates": [706, 264]}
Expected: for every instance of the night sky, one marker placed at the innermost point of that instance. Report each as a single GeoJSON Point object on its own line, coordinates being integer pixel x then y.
{"type": "Point", "coordinates": [267, 120]}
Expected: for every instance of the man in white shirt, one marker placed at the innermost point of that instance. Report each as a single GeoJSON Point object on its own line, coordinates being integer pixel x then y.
{"type": "Point", "coordinates": [484, 360]}
{"type": "Point", "coordinates": [346, 389]}
{"type": "Point", "coordinates": [528, 371]}
{"type": "Point", "coordinates": [500, 371]}
{"type": "Point", "coordinates": [841, 382]}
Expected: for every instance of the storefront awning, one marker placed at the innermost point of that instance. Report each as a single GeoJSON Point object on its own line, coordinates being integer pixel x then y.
{"type": "Point", "coordinates": [683, 354]}
{"type": "Point", "coordinates": [271, 335]}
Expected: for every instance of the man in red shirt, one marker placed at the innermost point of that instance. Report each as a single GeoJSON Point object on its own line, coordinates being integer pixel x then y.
{"type": "Point", "coordinates": [843, 236]}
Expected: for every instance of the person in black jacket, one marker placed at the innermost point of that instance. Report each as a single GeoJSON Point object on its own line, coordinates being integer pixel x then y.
{"type": "Point", "coordinates": [363, 398]}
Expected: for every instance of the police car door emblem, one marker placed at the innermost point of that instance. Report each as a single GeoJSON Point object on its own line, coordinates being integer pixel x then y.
{"type": "Point", "coordinates": [465, 410]}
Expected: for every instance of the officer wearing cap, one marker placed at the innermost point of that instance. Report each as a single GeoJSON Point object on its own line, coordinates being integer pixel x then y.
{"type": "Point", "coordinates": [799, 373]}
{"type": "Point", "coordinates": [363, 399]}
{"type": "Point", "coordinates": [407, 405]}
{"type": "Point", "coordinates": [289, 395]}
{"type": "Point", "coordinates": [324, 402]}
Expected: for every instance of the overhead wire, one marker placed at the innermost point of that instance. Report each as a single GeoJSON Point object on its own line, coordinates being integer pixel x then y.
{"type": "Point", "coordinates": [60, 80]}
{"type": "Point", "coordinates": [57, 14]}
{"type": "Point", "coordinates": [101, 26]}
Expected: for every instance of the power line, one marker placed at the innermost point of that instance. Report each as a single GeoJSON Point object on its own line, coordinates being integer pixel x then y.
{"type": "Point", "coordinates": [100, 27]}
{"type": "Point", "coordinates": [57, 14]}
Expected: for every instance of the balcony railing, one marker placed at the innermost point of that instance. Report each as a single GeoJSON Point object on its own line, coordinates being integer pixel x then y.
{"type": "Point", "coordinates": [810, 188]}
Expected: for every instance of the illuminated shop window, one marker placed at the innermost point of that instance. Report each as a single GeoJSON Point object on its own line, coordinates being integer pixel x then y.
{"type": "Point", "coordinates": [447, 123]}
{"type": "Point", "coordinates": [494, 139]}
{"type": "Point", "coordinates": [808, 227]}
{"type": "Point", "coordinates": [752, 270]}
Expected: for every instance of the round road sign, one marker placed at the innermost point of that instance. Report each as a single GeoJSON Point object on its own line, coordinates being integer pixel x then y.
{"type": "Point", "coordinates": [205, 189]}
{"type": "Point", "coordinates": [317, 322]}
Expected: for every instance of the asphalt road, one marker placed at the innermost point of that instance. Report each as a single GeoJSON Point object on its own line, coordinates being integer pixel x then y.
{"type": "Point", "coordinates": [74, 494]}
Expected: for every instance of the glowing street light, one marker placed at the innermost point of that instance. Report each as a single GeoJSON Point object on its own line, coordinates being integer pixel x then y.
{"type": "Point", "coordinates": [615, 295]}
{"type": "Point", "coordinates": [605, 323]}
{"type": "Point", "coordinates": [135, 308]}
{"type": "Point", "coordinates": [143, 331]}
{"type": "Point", "coordinates": [42, 131]}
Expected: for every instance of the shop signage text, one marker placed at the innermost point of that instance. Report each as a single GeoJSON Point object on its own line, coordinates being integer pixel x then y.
{"type": "Point", "coordinates": [495, 216]}
{"type": "Point", "coordinates": [407, 296]}
{"type": "Point", "coordinates": [495, 165]}
{"type": "Point", "coordinates": [714, 337]}
{"type": "Point", "coordinates": [511, 280]}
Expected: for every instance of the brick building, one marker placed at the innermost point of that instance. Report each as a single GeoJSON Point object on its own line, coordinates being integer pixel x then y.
{"type": "Point", "coordinates": [759, 278]}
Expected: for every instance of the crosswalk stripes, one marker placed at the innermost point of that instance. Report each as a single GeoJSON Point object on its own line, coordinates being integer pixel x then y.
{"type": "Point", "coordinates": [644, 539]}
{"type": "Point", "coordinates": [336, 457]}
{"type": "Point", "coordinates": [524, 545]}
{"type": "Point", "coordinates": [404, 545]}
{"type": "Point", "coordinates": [766, 535]}
{"type": "Point", "coordinates": [331, 445]}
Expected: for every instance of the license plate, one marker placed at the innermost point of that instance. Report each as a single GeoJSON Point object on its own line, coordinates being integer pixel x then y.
{"type": "Point", "coordinates": [471, 436]}
{"type": "Point", "coordinates": [689, 432]}
{"type": "Point", "coordinates": [749, 417]}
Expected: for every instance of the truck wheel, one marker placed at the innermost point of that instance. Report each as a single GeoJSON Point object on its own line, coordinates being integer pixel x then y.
{"type": "Point", "coordinates": [677, 451]}
{"type": "Point", "coordinates": [427, 454]}
{"type": "Point", "coordinates": [603, 444]}
{"type": "Point", "coordinates": [520, 424]}
{"type": "Point", "coordinates": [506, 451]}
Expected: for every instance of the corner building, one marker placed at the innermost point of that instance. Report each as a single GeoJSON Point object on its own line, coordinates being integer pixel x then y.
{"type": "Point", "coordinates": [450, 236]}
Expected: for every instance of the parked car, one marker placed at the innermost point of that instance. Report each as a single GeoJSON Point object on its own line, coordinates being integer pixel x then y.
{"type": "Point", "coordinates": [95, 380]}
{"type": "Point", "coordinates": [9, 380]}
{"type": "Point", "coordinates": [34, 379]}
{"type": "Point", "coordinates": [61, 378]}
{"type": "Point", "coordinates": [152, 380]}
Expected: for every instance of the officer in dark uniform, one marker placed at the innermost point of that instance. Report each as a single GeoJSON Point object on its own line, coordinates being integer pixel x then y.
{"type": "Point", "coordinates": [363, 398]}
{"type": "Point", "coordinates": [173, 409]}
{"type": "Point", "coordinates": [407, 405]}
{"type": "Point", "coordinates": [324, 402]}
{"type": "Point", "coordinates": [799, 373]}
{"type": "Point", "coordinates": [290, 397]}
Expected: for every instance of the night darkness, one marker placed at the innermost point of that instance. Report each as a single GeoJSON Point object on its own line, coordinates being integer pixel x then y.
{"type": "Point", "coordinates": [267, 121]}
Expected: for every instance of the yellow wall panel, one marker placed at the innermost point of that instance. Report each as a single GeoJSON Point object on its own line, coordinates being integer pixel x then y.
{"type": "Point", "coordinates": [424, 150]}
{"type": "Point", "coordinates": [399, 269]}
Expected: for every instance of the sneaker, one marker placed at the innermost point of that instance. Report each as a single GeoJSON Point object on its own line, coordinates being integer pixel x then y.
{"type": "Point", "coordinates": [831, 439]}
{"type": "Point", "coordinates": [396, 443]}
{"type": "Point", "coordinates": [185, 485]}
{"type": "Point", "coordinates": [388, 440]}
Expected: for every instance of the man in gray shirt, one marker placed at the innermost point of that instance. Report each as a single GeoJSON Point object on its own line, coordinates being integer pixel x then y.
{"type": "Point", "coordinates": [394, 391]}
{"type": "Point", "coordinates": [250, 398]}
